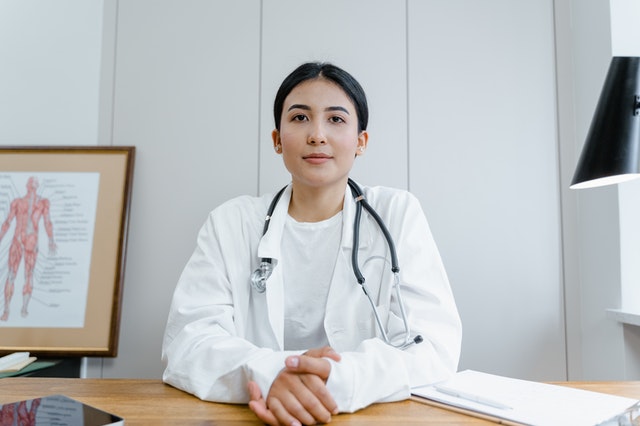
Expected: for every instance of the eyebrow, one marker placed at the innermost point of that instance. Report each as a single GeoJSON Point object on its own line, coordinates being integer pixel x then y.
{"type": "Point", "coordinates": [308, 108]}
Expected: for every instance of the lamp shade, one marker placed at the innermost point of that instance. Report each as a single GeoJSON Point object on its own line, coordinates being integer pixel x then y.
{"type": "Point", "coordinates": [611, 152]}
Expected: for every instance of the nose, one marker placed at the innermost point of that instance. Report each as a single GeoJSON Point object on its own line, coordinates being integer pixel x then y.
{"type": "Point", "coordinates": [316, 135]}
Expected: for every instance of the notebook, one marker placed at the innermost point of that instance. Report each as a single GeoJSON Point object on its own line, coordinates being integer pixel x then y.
{"type": "Point", "coordinates": [56, 410]}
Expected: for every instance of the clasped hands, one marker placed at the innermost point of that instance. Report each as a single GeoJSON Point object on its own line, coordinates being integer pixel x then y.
{"type": "Point", "coordinates": [299, 394]}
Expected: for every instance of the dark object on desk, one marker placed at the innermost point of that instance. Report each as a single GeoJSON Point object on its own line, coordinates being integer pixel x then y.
{"type": "Point", "coordinates": [55, 410]}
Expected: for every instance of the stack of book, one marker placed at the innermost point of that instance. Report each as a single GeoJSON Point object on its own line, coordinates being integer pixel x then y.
{"type": "Point", "coordinates": [15, 362]}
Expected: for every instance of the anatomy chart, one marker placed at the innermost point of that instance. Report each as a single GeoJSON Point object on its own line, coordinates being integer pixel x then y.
{"type": "Point", "coordinates": [47, 223]}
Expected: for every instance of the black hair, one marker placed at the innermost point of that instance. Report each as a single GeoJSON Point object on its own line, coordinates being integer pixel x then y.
{"type": "Point", "coordinates": [317, 70]}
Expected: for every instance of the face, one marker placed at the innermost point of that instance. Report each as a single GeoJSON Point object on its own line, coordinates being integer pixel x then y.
{"type": "Point", "coordinates": [319, 138]}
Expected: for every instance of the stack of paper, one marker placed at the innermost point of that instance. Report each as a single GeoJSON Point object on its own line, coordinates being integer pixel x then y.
{"type": "Point", "coordinates": [525, 402]}
{"type": "Point", "coordinates": [15, 362]}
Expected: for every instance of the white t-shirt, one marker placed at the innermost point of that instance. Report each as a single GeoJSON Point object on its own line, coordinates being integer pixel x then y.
{"type": "Point", "coordinates": [310, 250]}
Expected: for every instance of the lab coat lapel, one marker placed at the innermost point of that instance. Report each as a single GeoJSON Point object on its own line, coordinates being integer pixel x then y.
{"type": "Point", "coordinates": [269, 247]}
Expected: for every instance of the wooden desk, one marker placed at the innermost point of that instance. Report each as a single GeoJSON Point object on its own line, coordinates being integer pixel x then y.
{"type": "Point", "coordinates": [150, 402]}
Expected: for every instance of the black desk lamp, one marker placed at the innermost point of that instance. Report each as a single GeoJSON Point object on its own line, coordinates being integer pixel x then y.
{"type": "Point", "coordinates": [611, 153]}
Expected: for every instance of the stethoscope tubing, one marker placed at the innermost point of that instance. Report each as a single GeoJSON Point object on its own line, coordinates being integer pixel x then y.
{"type": "Point", "coordinates": [267, 219]}
{"type": "Point", "coordinates": [360, 203]}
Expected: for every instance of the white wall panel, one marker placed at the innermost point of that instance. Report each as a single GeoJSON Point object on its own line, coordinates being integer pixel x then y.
{"type": "Point", "coordinates": [186, 95]}
{"type": "Point", "coordinates": [598, 236]}
{"type": "Point", "coordinates": [483, 161]}
{"type": "Point", "coordinates": [365, 37]}
{"type": "Point", "coordinates": [50, 72]}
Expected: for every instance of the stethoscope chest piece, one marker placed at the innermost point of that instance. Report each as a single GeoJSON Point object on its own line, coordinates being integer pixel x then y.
{"type": "Point", "coordinates": [260, 276]}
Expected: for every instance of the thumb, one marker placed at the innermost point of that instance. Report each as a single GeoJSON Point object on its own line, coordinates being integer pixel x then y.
{"type": "Point", "coordinates": [308, 365]}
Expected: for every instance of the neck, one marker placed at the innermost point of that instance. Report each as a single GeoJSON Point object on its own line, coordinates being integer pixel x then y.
{"type": "Point", "coordinates": [316, 204]}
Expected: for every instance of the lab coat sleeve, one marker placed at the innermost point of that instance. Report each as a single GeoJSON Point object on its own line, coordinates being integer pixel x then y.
{"type": "Point", "coordinates": [202, 350]}
{"type": "Point", "coordinates": [377, 372]}
{"type": "Point", "coordinates": [365, 377]}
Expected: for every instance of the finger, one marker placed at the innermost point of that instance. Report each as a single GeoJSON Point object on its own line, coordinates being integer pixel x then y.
{"type": "Point", "coordinates": [308, 365]}
{"type": "Point", "coordinates": [321, 394]}
{"type": "Point", "coordinates": [324, 352]}
{"type": "Point", "coordinates": [283, 410]}
{"type": "Point", "coordinates": [298, 400]}
{"type": "Point", "coordinates": [311, 405]}
{"type": "Point", "coordinates": [259, 406]}
{"type": "Point", "coordinates": [262, 412]}
{"type": "Point", "coordinates": [310, 391]}
{"type": "Point", "coordinates": [255, 393]}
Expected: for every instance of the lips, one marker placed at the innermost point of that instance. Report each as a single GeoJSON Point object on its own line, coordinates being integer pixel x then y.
{"type": "Point", "coordinates": [316, 158]}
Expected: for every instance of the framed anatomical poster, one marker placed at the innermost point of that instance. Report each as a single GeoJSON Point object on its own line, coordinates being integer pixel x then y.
{"type": "Point", "coordinates": [63, 231]}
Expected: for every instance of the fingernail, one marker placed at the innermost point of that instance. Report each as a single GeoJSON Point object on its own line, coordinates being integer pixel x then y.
{"type": "Point", "coordinates": [296, 423]}
{"type": "Point", "coordinates": [293, 361]}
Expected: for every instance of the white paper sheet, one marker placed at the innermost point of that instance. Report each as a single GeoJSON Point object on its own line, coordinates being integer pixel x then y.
{"type": "Point", "coordinates": [528, 402]}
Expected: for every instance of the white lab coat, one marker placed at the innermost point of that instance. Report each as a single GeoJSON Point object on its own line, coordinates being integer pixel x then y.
{"type": "Point", "coordinates": [220, 333]}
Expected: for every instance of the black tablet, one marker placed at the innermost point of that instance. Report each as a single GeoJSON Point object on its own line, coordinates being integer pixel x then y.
{"type": "Point", "coordinates": [55, 410]}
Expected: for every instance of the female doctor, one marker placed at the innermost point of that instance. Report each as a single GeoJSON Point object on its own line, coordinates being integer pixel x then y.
{"type": "Point", "coordinates": [273, 313]}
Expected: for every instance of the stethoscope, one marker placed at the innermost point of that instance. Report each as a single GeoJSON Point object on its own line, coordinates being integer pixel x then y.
{"type": "Point", "coordinates": [263, 272]}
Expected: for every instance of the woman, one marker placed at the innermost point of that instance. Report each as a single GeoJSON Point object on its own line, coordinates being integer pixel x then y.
{"type": "Point", "coordinates": [309, 345]}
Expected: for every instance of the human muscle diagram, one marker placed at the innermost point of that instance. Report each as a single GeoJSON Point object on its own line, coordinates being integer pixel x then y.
{"type": "Point", "coordinates": [46, 237]}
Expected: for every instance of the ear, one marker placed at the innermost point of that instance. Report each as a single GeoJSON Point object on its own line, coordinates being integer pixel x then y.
{"type": "Point", "coordinates": [277, 146]}
{"type": "Point", "coordinates": [363, 140]}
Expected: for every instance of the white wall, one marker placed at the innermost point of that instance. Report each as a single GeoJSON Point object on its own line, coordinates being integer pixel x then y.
{"type": "Point", "coordinates": [625, 31]}
{"type": "Point", "coordinates": [483, 161]}
{"type": "Point", "coordinates": [50, 72]}
{"type": "Point", "coordinates": [463, 113]}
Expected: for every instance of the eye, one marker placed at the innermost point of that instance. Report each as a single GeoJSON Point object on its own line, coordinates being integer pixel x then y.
{"type": "Point", "coordinates": [336, 119]}
{"type": "Point", "coordinates": [299, 117]}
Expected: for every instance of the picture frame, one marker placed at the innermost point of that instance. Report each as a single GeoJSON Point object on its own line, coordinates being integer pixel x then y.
{"type": "Point", "coordinates": [64, 217]}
